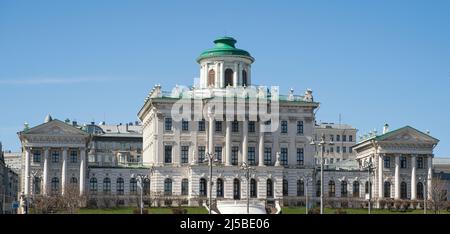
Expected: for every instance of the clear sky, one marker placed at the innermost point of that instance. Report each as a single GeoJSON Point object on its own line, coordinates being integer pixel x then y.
{"type": "Point", "coordinates": [370, 61]}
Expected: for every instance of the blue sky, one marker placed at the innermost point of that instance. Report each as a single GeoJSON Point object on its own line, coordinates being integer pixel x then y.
{"type": "Point", "coordinates": [370, 61]}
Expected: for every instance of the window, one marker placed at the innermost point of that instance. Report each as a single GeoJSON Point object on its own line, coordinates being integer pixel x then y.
{"type": "Point", "coordinates": [387, 162]}
{"type": "Point", "coordinates": [219, 188]}
{"type": "Point", "coordinates": [37, 156]}
{"type": "Point", "coordinates": [184, 187]}
{"type": "Point", "coordinates": [403, 161]}
{"type": "Point", "coordinates": [106, 185]}
{"type": "Point", "coordinates": [331, 189]}
{"type": "Point", "coordinates": [344, 191]}
{"type": "Point", "coordinates": [120, 186]}
{"type": "Point", "coordinates": [73, 181]}
{"type": "Point", "coordinates": [331, 137]}
{"type": "Point", "coordinates": [146, 186]}
{"type": "Point", "coordinates": [184, 154]}
{"type": "Point", "coordinates": [218, 126]}
{"type": "Point", "coordinates": [168, 124]}
{"type": "Point", "coordinates": [184, 125]}
{"type": "Point", "coordinates": [236, 189]}
{"type": "Point", "coordinates": [234, 155]}
{"type": "Point", "coordinates": [73, 156]}
{"type": "Point", "coordinates": [350, 138]}
{"type": "Point", "coordinates": [251, 156]}
{"type": "Point", "coordinates": [419, 191]}
{"type": "Point", "coordinates": [202, 188]}
{"type": "Point", "coordinates": [218, 151]}
{"type": "Point", "coordinates": [167, 154]}
{"type": "Point", "coordinates": [338, 149]}
{"type": "Point", "coordinates": [285, 188]}
{"type": "Point", "coordinates": [253, 188]}
{"type": "Point", "coordinates": [267, 156]}
{"type": "Point", "coordinates": [284, 156]}
{"type": "Point", "coordinates": [133, 186]}
{"type": "Point", "coordinates": [36, 185]}
{"type": "Point", "coordinates": [338, 137]}
{"type": "Point", "coordinates": [420, 162]}
{"type": "Point", "coordinates": [300, 188]}
{"type": "Point", "coordinates": [168, 187]}
{"type": "Point", "coordinates": [269, 188]}
{"type": "Point", "coordinates": [211, 77]}
{"type": "Point", "coordinates": [228, 77]}
{"type": "Point", "coordinates": [331, 149]}
{"type": "Point", "coordinates": [235, 126]}
{"type": "Point", "coordinates": [367, 187]}
{"type": "Point", "coordinates": [387, 189]}
{"type": "Point", "coordinates": [251, 126]}
{"type": "Point", "coordinates": [284, 126]}
{"type": "Point", "coordinates": [344, 149]}
{"type": "Point", "coordinates": [55, 185]}
{"type": "Point", "coordinates": [355, 189]}
{"type": "Point", "coordinates": [318, 188]}
{"type": "Point", "coordinates": [300, 127]}
{"type": "Point", "coordinates": [55, 157]}
{"type": "Point", "coordinates": [403, 190]}
{"type": "Point", "coordinates": [244, 78]}
{"type": "Point", "coordinates": [344, 138]}
{"type": "Point", "coordinates": [350, 149]}
{"type": "Point", "coordinates": [300, 156]}
{"type": "Point", "coordinates": [93, 185]}
{"type": "Point", "coordinates": [201, 125]}
{"type": "Point", "coordinates": [201, 154]}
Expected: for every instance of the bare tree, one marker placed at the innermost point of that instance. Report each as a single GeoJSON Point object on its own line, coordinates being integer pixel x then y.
{"type": "Point", "coordinates": [437, 195]}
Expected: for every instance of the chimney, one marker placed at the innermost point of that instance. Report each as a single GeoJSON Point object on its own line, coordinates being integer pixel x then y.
{"type": "Point", "coordinates": [386, 128]}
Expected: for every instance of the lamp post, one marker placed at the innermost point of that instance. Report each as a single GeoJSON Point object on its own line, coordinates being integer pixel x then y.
{"type": "Point", "coordinates": [322, 144]}
{"type": "Point", "coordinates": [247, 169]}
{"type": "Point", "coordinates": [368, 164]}
{"type": "Point", "coordinates": [210, 158]}
{"type": "Point", "coordinates": [307, 180]}
{"type": "Point", "coordinates": [140, 178]}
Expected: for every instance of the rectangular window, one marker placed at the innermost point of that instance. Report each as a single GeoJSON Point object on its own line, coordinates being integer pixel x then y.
{"type": "Point", "coordinates": [350, 138]}
{"type": "Point", "coordinates": [218, 126]}
{"type": "Point", "coordinates": [218, 151]}
{"type": "Point", "coordinates": [284, 156]}
{"type": "Point", "coordinates": [251, 156]}
{"type": "Point", "coordinates": [234, 155]}
{"type": "Point", "coordinates": [403, 161]}
{"type": "Point", "coordinates": [300, 156]}
{"type": "Point", "coordinates": [168, 124]}
{"type": "Point", "coordinates": [251, 126]}
{"type": "Point", "coordinates": [338, 137]}
{"type": "Point", "coordinates": [184, 154]}
{"type": "Point", "coordinates": [36, 156]}
{"type": "Point", "coordinates": [420, 162]}
{"type": "Point", "coordinates": [331, 137]}
{"type": "Point", "coordinates": [201, 154]}
{"type": "Point", "coordinates": [184, 125]}
{"type": "Point", "coordinates": [55, 157]}
{"type": "Point", "coordinates": [167, 154]}
{"type": "Point", "coordinates": [73, 156]}
{"type": "Point", "coordinates": [267, 156]}
{"type": "Point", "coordinates": [235, 126]}
{"type": "Point", "coordinates": [338, 149]}
{"type": "Point", "coordinates": [344, 149]}
{"type": "Point", "coordinates": [344, 138]}
{"type": "Point", "coordinates": [331, 160]}
{"type": "Point", "coordinates": [387, 162]}
{"type": "Point", "coordinates": [331, 149]}
{"type": "Point", "coordinates": [300, 127]}
{"type": "Point", "coordinates": [350, 149]}
{"type": "Point", "coordinates": [284, 126]}
{"type": "Point", "coordinates": [201, 125]}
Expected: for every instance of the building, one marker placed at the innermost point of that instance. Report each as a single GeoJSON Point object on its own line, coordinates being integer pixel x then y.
{"type": "Point", "coordinates": [344, 138]}
{"type": "Point", "coordinates": [8, 187]}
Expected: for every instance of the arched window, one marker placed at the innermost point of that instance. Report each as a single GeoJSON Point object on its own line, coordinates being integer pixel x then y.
{"type": "Point", "coordinates": [203, 188]}
{"type": "Point", "coordinates": [318, 188]}
{"type": "Point", "coordinates": [37, 185]}
{"type": "Point", "coordinates": [55, 185]}
{"type": "Point", "coordinates": [387, 189]}
{"type": "Point", "coordinates": [133, 186]}
{"type": "Point", "coordinates": [228, 77]}
{"type": "Point", "coordinates": [168, 187]}
{"type": "Point", "coordinates": [419, 190]}
{"type": "Point", "coordinates": [211, 77]}
{"type": "Point", "coordinates": [403, 190]}
{"type": "Point", "coordinates": [73, 181]}
{"type": "Point", "coordinates": [355, 189]}
{"type": "Point", "coordinates": [344, 190]}
{"type": "Point", "coordinates": [331, 189]}
{"type": "Point", "coordinates": [244, 78]}
{"type": "Point", "coordinates": [285, 188]}
{"type": "Point", "coordinates": [106, 185]}
{"type": "Point", "coordinates": [120, 186]}
{"type": "Point", "coordinates": [146, 186]}
{"type": "Point", "coordinates": [300, 188]}
{"type": "Point", "coordinates": [253, 188]}
{"type": "Point", "coordinates": [269, 189]}
{"type": "Point", "coordinates": [236, 189]}
{"type": "Point", "coordinates": [184, 187]}
{"type": "Point", "coordinates": [219, 189]}
{"type": "Point", "coordinates": [93, 185]}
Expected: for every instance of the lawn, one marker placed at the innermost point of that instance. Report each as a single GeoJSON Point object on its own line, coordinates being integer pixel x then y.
{"type": "Point", "coordinates": [129, 210]}
{"type": "Point", "coordinates": [301, 210]}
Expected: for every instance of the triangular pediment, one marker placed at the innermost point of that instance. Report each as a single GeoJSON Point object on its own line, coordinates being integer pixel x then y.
{"type": "Point", "coordinates": [55, 128]}
{"type": "Point", "coordinates": [407, 135]}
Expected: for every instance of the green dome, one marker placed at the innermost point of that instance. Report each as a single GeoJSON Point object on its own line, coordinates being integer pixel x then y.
{"type": "Point", "coordinates": [224, 47]}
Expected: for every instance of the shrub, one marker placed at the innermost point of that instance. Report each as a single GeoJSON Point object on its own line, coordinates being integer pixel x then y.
{"type": "Point", "coordinates": [340, 211]}
{"type": "Point", "coordinates": [382, 203]}
{"type": "Point", "coordinates": [414, 204]}
{"type": "Point", "coordinates": [314, 210]}
{"type": "Point", "coordinates": [179, 211]}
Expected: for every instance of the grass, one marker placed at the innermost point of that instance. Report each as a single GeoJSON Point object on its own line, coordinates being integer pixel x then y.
{"type": "Point", "coordinates": [301, 210]}
{"type": "Point", "coordinates": [129, 210]}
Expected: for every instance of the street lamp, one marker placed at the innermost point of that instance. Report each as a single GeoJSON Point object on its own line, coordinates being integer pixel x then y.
{"type": "Point", "coordinates": [368, 164]}
{"type": "Point", "coordinates": [306, 180]}
{"type": "Point", "coordinates": [424, 194]}
{"type": "Point", "coordinates": [140, 178]}
{"type": "Point", "coordinates": [247, 169]}
{"type": "Point", "coordinates": [322, 144]}
{"type": "Point", "coordinates": [210, 158]}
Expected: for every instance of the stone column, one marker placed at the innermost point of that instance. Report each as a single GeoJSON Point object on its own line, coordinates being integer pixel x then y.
{"type": "Point", "coordinates": [82, 170]}
{"type": "Point", "coordinates": [216, 77]}
{"type": "Point", "coordinates": [27, 172]}
{"type": "Point", "coordinates": [261, 149]}
{"type": "Point", "coordinates": [397, 177]}
{"type": "Point", "coordinates": [380, 175]}
{"type": "Point", "coordinates": [64, 171]}
{"type": "Point", "coordinates": [45, 174]}
{"type": "Point", "coordinates": [222, 76]}
{"type": "Point", "coordinates": [244, 141]}
{"type": "Point", "coordinates": [235, 75]}
{"type": "Point", "coordinates": [228, 144]}
{"type": "Point", "coordinates": [211, 133]}
{"type": "Point", "coordinates": [429, 176]}
{"type": "Point", "coordinates": [413, 177]}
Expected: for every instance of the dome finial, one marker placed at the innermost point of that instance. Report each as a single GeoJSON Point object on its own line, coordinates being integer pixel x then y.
{"type": "Point", "coordinates": [48, 118]}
